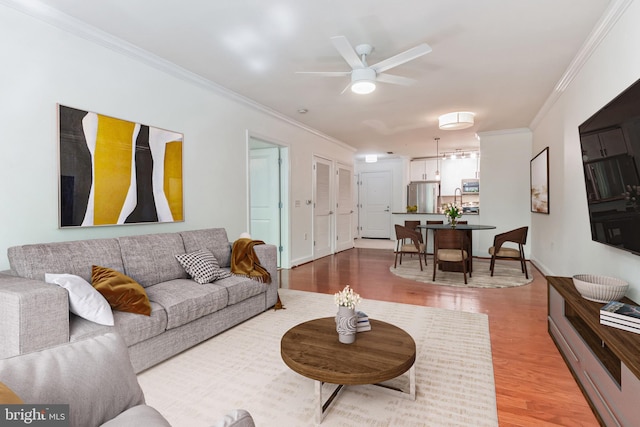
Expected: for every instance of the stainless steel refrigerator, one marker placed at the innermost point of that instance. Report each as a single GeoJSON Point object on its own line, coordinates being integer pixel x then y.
{"type": "Point", "coordinates": [424, 195]}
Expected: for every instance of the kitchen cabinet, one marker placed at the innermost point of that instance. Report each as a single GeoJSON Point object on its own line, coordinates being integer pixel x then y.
{"type": "Point", "coordinates": [603, 144]}
{"type": "Point", "coordinates": [423, 169]}
{"type": "Point", "coordinates": [453, 172]}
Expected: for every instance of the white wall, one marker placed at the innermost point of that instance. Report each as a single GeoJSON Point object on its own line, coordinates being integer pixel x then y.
{"type": "Point", "coordinates": [43, 65]}
{"type": "Point", "coordinates": [504, 185]}
{"type": "Point", "coordinates": [562, 242]}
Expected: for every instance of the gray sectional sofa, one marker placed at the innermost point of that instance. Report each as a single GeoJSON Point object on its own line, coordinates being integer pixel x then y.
{"type": "Point", "coordinates": [35, 315]}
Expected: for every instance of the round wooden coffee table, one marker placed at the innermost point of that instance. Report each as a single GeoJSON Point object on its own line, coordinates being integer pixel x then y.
{"type": "Point", "coordinates": [385, 352]}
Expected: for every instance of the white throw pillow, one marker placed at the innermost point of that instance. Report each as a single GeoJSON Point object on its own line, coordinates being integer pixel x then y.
{"type": "Point", "coordinates": [84, 299]}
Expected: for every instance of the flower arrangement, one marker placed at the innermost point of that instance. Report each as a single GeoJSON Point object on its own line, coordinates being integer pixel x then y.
{"type": "Point", "coordinates": [632, 195]}
{"type": "Point", "coordinates": [452, 212]}
{"type": "Point", "coordinates": [347, 298]}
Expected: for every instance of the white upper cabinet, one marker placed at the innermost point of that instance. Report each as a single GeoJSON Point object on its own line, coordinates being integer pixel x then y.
{"type": "Point", "coordinates": [423, 170]}
{"type": "Point", "coordinates": [453, 172]}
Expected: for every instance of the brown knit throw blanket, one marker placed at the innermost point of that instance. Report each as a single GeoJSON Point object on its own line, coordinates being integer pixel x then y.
{"type": "Point", "coordinates": [244, 262]}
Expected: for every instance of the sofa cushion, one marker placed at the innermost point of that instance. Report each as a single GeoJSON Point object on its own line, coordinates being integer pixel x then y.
{"type": "Point", "coordinates": [240, 288]}
{"type": "Point", "coordinates": [212, 239]}
{"type": "Point", "coordinates": [76, 257]}
{"type": "Point", "coordinates": [133, 328]}
{"type": "Point", "coordinates": [121, 291]}
{"type": "Point", "coordinates": [150, 259]}
{"type": "Point", "coordinates": [202, 266]}
{"type": "Point", "coordinates": [94, 376]}
{"type": "Point", "coordinates": [185, 300]}
{"type": "Point", "coordinates": [138, 416]}
{"type": "Point", "coordinates": [84, 300]}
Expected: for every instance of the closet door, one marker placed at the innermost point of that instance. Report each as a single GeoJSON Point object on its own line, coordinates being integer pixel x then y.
{"type": "Point", "coordinates": [323, 213]}
{"type": "Point", "coordinates": [344, 208]}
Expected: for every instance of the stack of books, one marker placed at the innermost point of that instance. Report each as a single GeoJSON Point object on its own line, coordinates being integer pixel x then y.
{"type": "Point", "coordinates": [622, 316]}
{"type": "Point", "coordinates": [363, 322]}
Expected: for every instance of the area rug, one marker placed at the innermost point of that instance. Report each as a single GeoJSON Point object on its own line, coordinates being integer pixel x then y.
{"type": "Point", "coordinates": [506, 274]}
{"type": "Point", "coordinates": [242, 368]}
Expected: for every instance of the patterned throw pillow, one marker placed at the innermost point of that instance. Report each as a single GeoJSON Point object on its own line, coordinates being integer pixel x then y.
{"type": "Point", "coordinates": [202, 266]}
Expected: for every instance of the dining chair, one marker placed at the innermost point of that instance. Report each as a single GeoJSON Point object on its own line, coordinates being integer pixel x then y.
{"type": "Point", "coordinates": [498, 251]}
{"type": "Point", "coordinates": [432, 231]}
{"type": "Point", "coordinates": [450, 246]}
{"type": "Point", "coordinates": [411, 225]}
{"type": "Point", "coordinates": [416, 246]}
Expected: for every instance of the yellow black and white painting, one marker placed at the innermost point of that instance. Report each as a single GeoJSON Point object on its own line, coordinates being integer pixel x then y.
{"type": "Point", "coordinates": [114, 171]}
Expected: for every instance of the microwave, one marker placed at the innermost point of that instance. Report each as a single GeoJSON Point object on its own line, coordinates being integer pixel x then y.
{"type": "Point", "coordinates": [470, 186]}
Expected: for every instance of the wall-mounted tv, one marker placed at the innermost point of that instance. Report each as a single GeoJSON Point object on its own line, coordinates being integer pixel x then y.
{"type": "Point", "coordinates": [610, 142]}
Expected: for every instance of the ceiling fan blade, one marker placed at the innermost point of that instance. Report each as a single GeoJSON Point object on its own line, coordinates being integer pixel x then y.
{"type": "Point", "coordinates": [326, 73]}
{"type": "Point", "coordinates": [346, 88]}
{"type": "Point", "coordinates": [396, 80]}
{"type": "Point", "coordinates": [346, 50]}
{"type": "Point", "coordinates": [401, 58]}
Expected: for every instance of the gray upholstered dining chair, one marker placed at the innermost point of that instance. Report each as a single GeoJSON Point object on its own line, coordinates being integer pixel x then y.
{"type": "Point", "coordinates": [451, 246]}
{"type": "Point", "coordinates": [517, 236]}
{"type": "Point", "coordinates": [415, 245]}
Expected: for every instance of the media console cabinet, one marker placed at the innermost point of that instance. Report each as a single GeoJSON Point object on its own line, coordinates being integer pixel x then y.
{"type": "Point", "coordinates": [604, 361]}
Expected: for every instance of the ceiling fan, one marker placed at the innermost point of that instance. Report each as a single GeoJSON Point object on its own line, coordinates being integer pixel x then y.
{"type": "Point", "coordinates": [364, 76]}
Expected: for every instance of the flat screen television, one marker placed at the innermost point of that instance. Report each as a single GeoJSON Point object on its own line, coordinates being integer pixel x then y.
{"type": "Point", "coordinates": [610, 142]}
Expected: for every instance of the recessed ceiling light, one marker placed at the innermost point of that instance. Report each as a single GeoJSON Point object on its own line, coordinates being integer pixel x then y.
{"type": "Point", "coordinates": [371, 158]}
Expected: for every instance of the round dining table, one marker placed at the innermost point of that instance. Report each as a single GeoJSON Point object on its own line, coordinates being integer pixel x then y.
{"type": "Point", "coordinates": [465, 227]}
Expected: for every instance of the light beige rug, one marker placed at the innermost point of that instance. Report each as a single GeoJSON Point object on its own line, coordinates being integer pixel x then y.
{"type": "Point", "coordinates": [506, 274]}
{"type": "Point", "coordinates": [242, 368]}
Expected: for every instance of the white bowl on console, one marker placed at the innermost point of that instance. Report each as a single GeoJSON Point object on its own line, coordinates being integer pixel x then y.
{"type": "Point", "coordinates": [600, 288]}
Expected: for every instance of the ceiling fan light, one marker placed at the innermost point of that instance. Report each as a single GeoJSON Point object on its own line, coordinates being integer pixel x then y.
{"type": "Point", "coordinates": [363, 87]}
{"type": "Point", "coordinates": [455, 121]}
{"type": "Point", "coordinates": [363, 81]}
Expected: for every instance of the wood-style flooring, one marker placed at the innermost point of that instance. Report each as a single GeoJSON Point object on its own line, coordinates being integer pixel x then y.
{"type": "Point", "coordinates": [533, 385]}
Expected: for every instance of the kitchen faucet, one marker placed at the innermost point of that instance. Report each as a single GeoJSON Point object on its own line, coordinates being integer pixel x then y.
{"type": "Point", "coordinates": [455, 195]}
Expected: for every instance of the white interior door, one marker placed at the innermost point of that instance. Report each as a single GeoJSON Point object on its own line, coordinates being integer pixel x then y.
{"type": "Point", "coordinates": [268, 195]}
{"type": "Point", "coordinates": [264, 173]}
{"type": "Point", "coordinates": [376, 204]}
{"type": "Point", "coordinates": [322, 209]}
{"type": "Point", "coordinates": [344, 208]}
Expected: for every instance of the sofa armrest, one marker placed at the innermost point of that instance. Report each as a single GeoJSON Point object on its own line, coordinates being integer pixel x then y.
{"type": "Point", "coordinates": [268, 256]}
{"type": "Point", "coordinates": [33, 315]}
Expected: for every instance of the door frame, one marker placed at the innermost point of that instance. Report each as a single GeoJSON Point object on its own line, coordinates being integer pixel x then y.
{"type": "Point", "coordinates": [284, 246]}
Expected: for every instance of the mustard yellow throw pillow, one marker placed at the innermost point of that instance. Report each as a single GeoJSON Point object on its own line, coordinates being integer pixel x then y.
{"type": "Point", "coordinates": [8, 397]}
{"type": "Point", "coordinates": [121, 291]}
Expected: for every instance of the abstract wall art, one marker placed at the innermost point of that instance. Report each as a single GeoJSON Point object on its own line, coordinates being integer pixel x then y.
{"type": "Point", "coordinates": [540, 182]}
{"type": "Point", "coordinates": [113, 171]}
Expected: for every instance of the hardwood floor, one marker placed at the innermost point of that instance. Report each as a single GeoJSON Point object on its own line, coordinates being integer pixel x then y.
{"type": "Point", "coordinates": [533, 385]}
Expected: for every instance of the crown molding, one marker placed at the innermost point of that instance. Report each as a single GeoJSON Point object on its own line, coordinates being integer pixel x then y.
{"type": "Point", "coordinates": [503, 132]}
{"type": "Point", "coordinates": [78, 28]}
{"type": "Point", "coordinates": [602, 28]}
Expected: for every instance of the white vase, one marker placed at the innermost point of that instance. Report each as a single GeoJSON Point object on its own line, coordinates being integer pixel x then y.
{"type": "Point", "coordinates": [346, 321]}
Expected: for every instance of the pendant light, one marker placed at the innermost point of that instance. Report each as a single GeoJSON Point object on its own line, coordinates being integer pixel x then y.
{"type": "Point", "coordinates": [437, 159]}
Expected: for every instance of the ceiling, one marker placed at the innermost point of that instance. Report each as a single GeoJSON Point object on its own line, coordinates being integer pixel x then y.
{"type": "Point", "coordinates": [497, 58]}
